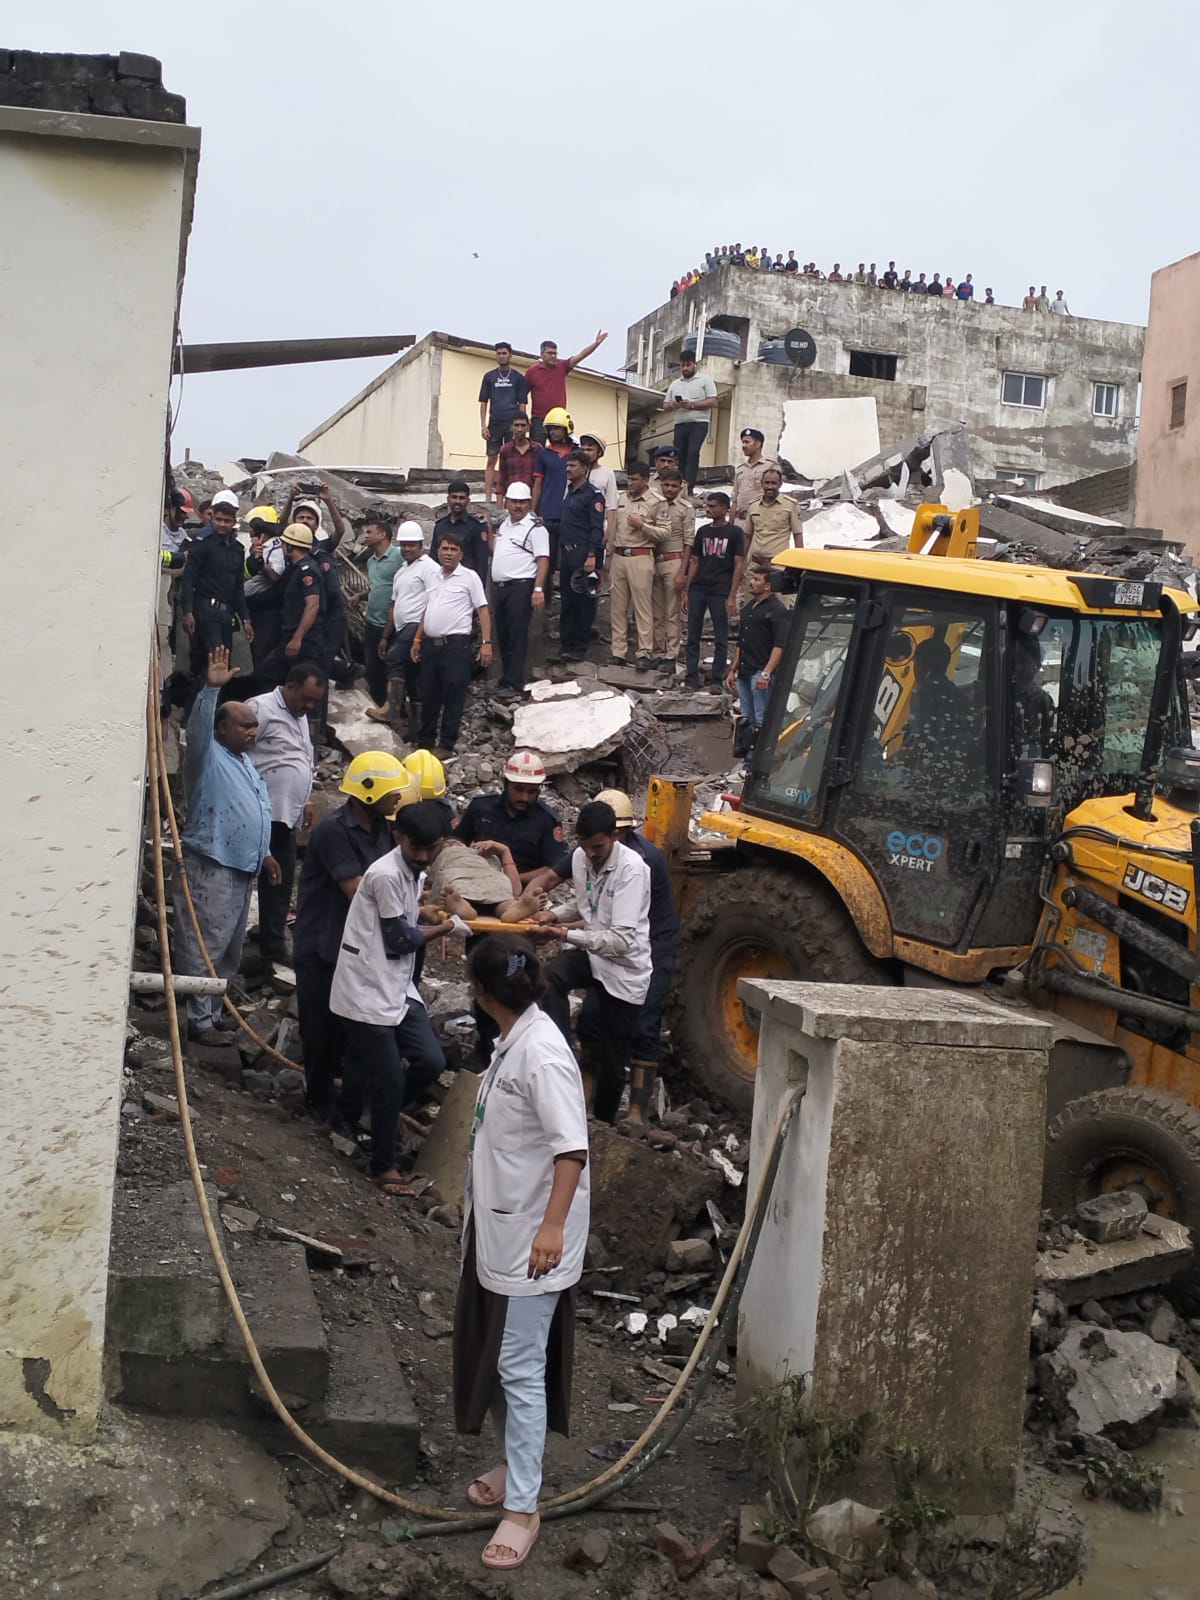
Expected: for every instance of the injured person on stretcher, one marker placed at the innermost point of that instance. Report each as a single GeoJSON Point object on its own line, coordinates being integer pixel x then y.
{"type": "Point", "coordinates": [480, 880]}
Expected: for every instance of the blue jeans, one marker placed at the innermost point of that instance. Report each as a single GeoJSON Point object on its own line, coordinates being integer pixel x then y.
{"type": "Point", "coordinates": [752, 701]}
{"type": "Point", "coordinates": [518, 1408]}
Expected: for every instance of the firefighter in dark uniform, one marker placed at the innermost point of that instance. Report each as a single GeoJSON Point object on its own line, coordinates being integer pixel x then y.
{"type": "Point", "coordinates": [302, 609]}
{"type": "Point", "coordinates": [580, 555]}
{"type": "Point", "coordinates": [213, 593]}
{"type": "Point", "coordinates": [335, 604]}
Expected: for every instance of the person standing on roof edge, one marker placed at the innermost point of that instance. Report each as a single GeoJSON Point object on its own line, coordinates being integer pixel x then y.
{"type": "Point", "coordinates": [604, 479]}
{"type": "Point", "coordinates": [503, 395]}
{"type": "Point", "coordinates": [384, 562]}
{"type": "Point", "coordinates": [282, 754]}
{"type": "Point", "coordinates": [473, 532]}
{"type": "Point", "coordinates": [607, 930]}
{"type": "Point", "coordinates": [519, 821]}
{"type": "Point", "coordinates": [340, 849]}
{"type": "Point", "coordinates": [581, 557]}
{"type": "Point", "coordinates": [442, 645]}
{"type": "Point", "coordinates": [547, 380]}
{"type": "Point", "coordinates": [520, 566]}
{"type": "Point", "coordinates": [374, 991]}
{"type": "Point", "coordinates": [524, 1238]}
{"type": "Point", "coordinates": [692, 399]}
{"type": "Point", "coordinates": [410, 595]}
{"type": "Point", "coordinates": [226, 843]}
{"type": "Point", "coordinates": [308, 512]}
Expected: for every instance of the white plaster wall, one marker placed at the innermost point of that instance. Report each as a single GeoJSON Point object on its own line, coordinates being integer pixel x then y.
{"type": "Point", "coordinates": [820, 437]}
{"type": "Point", "coordinates": [388, 425]}
{"type": "Point", "coordinates": [88, 277]}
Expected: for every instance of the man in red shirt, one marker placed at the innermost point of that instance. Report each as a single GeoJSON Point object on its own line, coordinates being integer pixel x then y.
{"type": "Point", "coordinates": [547, 380]}
{"type": "Point", "coordinates": [516, 458]}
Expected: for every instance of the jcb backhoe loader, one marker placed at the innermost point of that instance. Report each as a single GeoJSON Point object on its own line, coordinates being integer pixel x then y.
{"type": "Point", "coordinates": [976, 773]}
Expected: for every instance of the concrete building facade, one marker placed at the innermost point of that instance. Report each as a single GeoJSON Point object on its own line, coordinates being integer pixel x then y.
{"type": "Point", "coordinates": [1047, 399]}
{"type": "Point", "coordinates": [98, 208]}
{"type": "Point", "coordinates": [423, 411]}
{"type": "Point", "coordinates": [1168, 459]}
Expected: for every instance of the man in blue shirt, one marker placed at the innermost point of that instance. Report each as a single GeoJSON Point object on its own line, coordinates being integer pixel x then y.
{"type": "Point", "coordinates": [226, 842]}
{"type": "Point", "coordinates": [580, 555]}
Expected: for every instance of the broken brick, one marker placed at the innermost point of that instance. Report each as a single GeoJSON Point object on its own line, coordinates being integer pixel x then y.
{"type": "Point", "coordinates": [589, 1552]}
{"type": "Point", "coordinates": [754, 1549]}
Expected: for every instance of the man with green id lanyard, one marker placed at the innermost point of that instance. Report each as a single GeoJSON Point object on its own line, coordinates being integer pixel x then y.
{"type": "Point", "coordinates": [524, 1237]}
{"type": "Point", "coordinates": [608, 934]}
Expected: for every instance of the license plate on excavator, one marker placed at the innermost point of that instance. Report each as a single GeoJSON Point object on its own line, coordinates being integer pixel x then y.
{"type": "Point", "coordinates": [1130, 594]}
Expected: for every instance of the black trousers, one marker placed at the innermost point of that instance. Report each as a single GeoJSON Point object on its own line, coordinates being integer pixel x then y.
{"type": "Point", "coordinates": [445, 675]}
{"type": "Point", "coordinates": [578, 610]}
{"type": "Point", "coordinates": [374, 666]}
{"type": "Point", "coordinates": [275, 899]}
{"type": "Point", "coordinates": [701, 601]}
{"type": "Point", "coordinates": [513, 614]}
{"type": "Point", "coordinates": [605, 1035]}
{"type": "Point", "coordinates": [320, 1033]}
{"type": "Point", "coordinates": [276, 664]}
{"type": "Point", "coordinates": [214, 626]}
{"type": "Point", "coordinates": [375, 1067]}
{"type": "Point", "coordinates": [689, 441]}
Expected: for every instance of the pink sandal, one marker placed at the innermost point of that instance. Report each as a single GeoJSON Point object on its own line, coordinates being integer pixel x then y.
{"type": "Point", "coordinates": [488, 1488]}
{"type": "Point", "coordinates": [511, 1536]}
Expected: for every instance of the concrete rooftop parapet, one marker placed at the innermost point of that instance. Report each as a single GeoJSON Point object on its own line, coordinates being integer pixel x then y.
{"type": "Point", "coordinates": [898, 1016]}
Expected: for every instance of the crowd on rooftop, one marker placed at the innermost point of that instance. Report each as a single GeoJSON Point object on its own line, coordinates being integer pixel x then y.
{"type": "Point", "coordinates": [760, 259]}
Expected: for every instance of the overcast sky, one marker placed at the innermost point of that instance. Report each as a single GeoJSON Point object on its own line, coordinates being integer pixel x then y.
{"type": "Point", "coordinates": [526, 172]}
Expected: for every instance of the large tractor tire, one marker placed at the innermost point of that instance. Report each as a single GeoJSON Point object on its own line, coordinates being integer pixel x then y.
{"type": "Point", "coordinates": [755, 922]}
{"type": "Point", "coordinates": [1132, 1138]}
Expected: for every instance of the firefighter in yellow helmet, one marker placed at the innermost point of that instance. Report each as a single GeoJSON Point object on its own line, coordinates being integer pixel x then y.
{"type": "Point", "coordinates": [265, 568]}
{"type": "Point", "coordinates": [550, 481]}
{"type": "Point", "coordinates": [340, 849]}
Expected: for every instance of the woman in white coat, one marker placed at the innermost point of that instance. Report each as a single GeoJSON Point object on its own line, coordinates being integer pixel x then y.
{"type": "Point", "coordinates": [524, 1237]}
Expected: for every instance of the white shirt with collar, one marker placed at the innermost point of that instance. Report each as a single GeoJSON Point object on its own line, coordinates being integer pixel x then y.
{"type": "Point", "coordinates": [605, 479]}
{"type": "Point", "coordinates": [410, 590]}
{"type": "Point", "coordinates": [454, 597]}
{"type": "Point", "coordinates": [529, 1110]}
{"type": "Point", "coordinates": [615, 905]}
{"type": "Point", "coordinates": [368, 984]}
{"type": "Point", "coordinates": [283, 754]}
{"type": "Point", "coordinates": [517, 548]}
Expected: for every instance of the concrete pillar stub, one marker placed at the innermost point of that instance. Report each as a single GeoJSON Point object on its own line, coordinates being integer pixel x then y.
{"type": "Point", "coordinates": [896, 1264]}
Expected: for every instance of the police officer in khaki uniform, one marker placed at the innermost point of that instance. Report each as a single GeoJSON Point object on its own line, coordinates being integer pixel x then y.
{"type": "Point", "coordinates": [772, 525]}
{"type": "Point", "coordinates": [631, 565]}
{"type": "Point", "coordinates": [675, 523]}
{"type": "Point", "coordinates": [747, 479]}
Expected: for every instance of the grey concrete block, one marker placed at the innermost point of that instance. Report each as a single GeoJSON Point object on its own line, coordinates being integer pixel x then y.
{"type": "Point", "coordinates": [368, 1418]}
{"type": "Point", "coordinates": [132, 65]}
{"type": "Point", "coordinates": [897, 1016]}
{"type": "Point", "coordinates": [163, 1295]}
{"type": "Point", "coordinates": [1095, 1272]}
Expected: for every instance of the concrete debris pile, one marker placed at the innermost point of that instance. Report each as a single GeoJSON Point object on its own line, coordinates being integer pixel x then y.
{"type": "Point", "coordinates": [1111, 1358]}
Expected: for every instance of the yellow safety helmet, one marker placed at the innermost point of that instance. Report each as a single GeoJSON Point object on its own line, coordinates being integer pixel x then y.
{"type": "Point", "coordinates": [266, 514]}
{"type": "Point", "coordinates": [374, 775]}
{"type": "Point", "coordinates": [559, 417]}
{"type": "Point", "coordinates": [622, 806]}
{"type": "Point", "coordinates": [429, 773]}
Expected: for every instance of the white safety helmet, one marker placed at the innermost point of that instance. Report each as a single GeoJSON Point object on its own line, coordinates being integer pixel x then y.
{"type": "Point", "coordinates": [410, 532]}
{"type": "Point", "coordinates": [524, 766]}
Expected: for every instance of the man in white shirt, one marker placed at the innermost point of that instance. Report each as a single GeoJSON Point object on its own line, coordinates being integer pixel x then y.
{"type": "Point", "coordinates": [608, 931]}
{"type": "Point", "coordinates": [442, 645]}
{"type": "Point", "coordinates": [283, 756]}
{"type": "Point", "coordinates": [375, 993]}
{"type": "Point", "coordinates": [520, 562]}
{"type": "Point", "coordinates": [1059, 304]}
{"type": "Point", "coordinates": [692, 399]}
{"type": "Point", "coordinates": [410, 594]}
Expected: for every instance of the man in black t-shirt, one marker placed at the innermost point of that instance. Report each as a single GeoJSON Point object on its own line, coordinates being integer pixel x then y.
{"type": "Point", "coordinates": [762, 634]}
{"type": "Point", "coordinates": [709, 581]}
{"type": "Point", "coordinates": [890, 278]}
{"type": "Point", "coordinates": [503, 394]}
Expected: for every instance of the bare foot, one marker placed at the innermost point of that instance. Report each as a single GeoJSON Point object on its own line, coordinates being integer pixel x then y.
{"type": "Point", "coordinates": [458, 905]}
{"type": "Point", "coordinates": [525, 906]}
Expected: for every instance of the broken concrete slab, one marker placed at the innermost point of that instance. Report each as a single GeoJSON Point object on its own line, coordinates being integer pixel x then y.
{"type": "Point", "coordinates": [671, 707]}
{"type": "Point", "coordinates": [570, 733]}
{"type": "Point", "coordinates": [1086, 1271]}
{"type": "Point", "coordinates": [355, 731]}
{"type": "Point", "coordinates": [841, 526]}
{"type": "Point", "coordinates": [950, 460]}
{"type": "Point", "coordinates": [1109, 1218]}
{"type": "Point", "coordinates": [1100, 1380]}
{"type": "Point", "coordinates": [547, 689]}
{"type": "Point", "coordinates": [641, 1198]}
